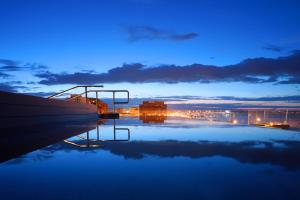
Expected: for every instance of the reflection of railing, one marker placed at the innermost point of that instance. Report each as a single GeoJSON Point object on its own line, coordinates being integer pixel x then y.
{"type": "Point", "coordinates": [101, 91]}
{"type": "Point", "coordinates": [270, 118]}
{"type": "Point", "coordinates": [96, 143]}
{"type": "Point", "coordinates": [81, 86]}
{"type": "Point", "coordinates": [128, 134]}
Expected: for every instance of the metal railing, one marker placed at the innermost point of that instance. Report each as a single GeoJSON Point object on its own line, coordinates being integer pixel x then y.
{"type": "Point", "coordinates": [81, 86]}
{"type": "Point", "coordinates": [99, 91]}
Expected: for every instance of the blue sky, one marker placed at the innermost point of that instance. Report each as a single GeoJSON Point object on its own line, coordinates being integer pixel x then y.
{"type": "Point", "coordinates": [90, 36]}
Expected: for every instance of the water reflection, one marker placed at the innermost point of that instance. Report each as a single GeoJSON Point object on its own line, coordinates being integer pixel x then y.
{"type": "Point", "coordinates": [19, 141]}
{"type": "Point", "coordinates": [86, 140]}
{"type": "Point", "coordinates": [281, 153]}
{"type": "Point", "coordinates": [177, 159]}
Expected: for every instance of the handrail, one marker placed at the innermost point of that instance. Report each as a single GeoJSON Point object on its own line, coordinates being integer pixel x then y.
{"type": "Point", "coordinates": [80, 86]}
{"type": "Point", "coordinates": [99, 91]}
{"type": "Point", "coordinates": [115, 91]}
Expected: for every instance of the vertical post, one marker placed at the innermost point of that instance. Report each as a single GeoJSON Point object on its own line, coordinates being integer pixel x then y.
{"type": "Point", "coordinates": [86, 96]}
{"type": "Point", "coordinates": [114, 129]}
{"type": "Point", "coordinates": [88, 139]}
{"type": "Point", "coordinates": [248, 117]}
{"type": "Point", "coordinates": [97, 132]}
{"type": "Point", "coordinates": [286, 116]}
{"type": "Point", "coordinates": [97, 102]}
{"type": "Point", "coordinates": [114, 101]}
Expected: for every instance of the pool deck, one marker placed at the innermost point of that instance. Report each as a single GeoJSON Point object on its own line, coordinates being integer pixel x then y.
{"type": "Point", "coordinates": [18, 110]}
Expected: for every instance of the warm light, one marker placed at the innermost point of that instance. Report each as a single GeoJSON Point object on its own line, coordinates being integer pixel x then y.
{"type": "Point", "coordinates": [235, 121]}
{"type": "Point", "coordinates": [258, 119]}
{"type": "Point", "coordinates": [271, 124]}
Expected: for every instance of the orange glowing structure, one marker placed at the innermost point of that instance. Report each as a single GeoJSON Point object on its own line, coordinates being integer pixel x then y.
{"type": "Point", "coordinates": [153, 111]}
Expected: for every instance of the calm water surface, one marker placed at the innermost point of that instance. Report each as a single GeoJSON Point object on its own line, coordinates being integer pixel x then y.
{"type": "Point", "coordinates": [179, 159]}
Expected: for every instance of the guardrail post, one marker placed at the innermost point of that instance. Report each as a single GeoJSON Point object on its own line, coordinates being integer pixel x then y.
{"type": "Point", "coordinates": [114, 129]}
{"type": "Point", "coordinates": [98, 133]}
{"type": "Point", "coordinates": [97, 101]}
{"type": "Point", "coordinates": [114, 101]}
{"type": "Point", "coordinates": [88, 138]}
{"type": "Point", "coordinates": [86, 96]}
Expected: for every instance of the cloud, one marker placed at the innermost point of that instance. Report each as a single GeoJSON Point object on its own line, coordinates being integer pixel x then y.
{"type": "Point", "coordinates": [7, 65]}
{"type": "Point", "coordinates": [4, 75]}
{"type": "Point", "coordinates": [7, 88]}
{"type": "Point", "coordinates": [11, 68]}
{"type": "Point", "coordinates": [137, 33]}
{"type": "Point", "coordinates": [273, 48]}
{"type": "Point", "coordinates": [281, 70]}
{"type": "Point", "coordinates": [8, 62]}
{"type": "Point", "coordinates": [294, 80]}
{"type": "Point", "coordinates": [10, 87]}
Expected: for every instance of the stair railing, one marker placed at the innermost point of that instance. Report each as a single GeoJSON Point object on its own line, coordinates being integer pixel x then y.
{"type": "Point", "coordinates": [99, 91]}
{"type": "Point", "coordinates": [81, 86]}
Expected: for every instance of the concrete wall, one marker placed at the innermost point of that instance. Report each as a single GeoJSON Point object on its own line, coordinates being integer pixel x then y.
{"type": "Point", "coordinates": [24, 110]}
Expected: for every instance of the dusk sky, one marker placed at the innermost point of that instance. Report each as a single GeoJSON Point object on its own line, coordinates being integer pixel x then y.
{"type": "Point", "coordinates": [152, 47]}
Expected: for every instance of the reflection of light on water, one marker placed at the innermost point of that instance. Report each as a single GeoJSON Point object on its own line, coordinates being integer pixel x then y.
{"type": "Point", "coordinates": [258, 119]}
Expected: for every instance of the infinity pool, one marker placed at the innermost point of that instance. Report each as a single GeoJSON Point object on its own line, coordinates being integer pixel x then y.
{"type": "Point", "coordinates": [178, 159]}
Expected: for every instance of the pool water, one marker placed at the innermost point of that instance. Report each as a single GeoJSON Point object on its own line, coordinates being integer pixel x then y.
{"type": "Point", "coordinates": [178, 159]}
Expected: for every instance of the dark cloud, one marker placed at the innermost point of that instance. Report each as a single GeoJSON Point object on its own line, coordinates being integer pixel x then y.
{"type": "Point", "coordinates": [10, 87]}
{"type": "Point", "coordinates": [282, 70]}
{"type": "Point", "coordinates": [31, 83]}
{"type": "Point", "coordinates": [294, 80]}
{"type": "Point", "coordinates": [11, 66]}
{"type": "Point", "coordinates": [35, 66]}
{"type": "Point", "coordinates": [4, 75]}
{"type": "Point", "coordinates": [182, 37]}
{"type": "Point", "coordinates": [49, 78]}
{"type": "Point", "coordinates": [275, 48]}
{"type": "Point", "coordinates": [8, 62]}
{"type": "Point", "coordinates": [136, 33]}
{"type": "Point", "coordinates": [7, 88]}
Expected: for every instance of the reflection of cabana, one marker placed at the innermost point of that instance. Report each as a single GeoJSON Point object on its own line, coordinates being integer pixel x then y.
{"type": "Point", "coordinates": [87, 142]}
{"type": "Point", "coordinates": [153, 108]}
